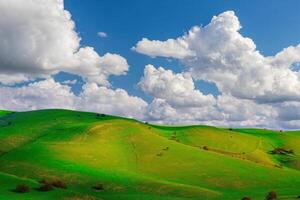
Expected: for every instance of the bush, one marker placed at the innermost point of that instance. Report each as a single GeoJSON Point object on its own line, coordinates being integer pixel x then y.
{"type": "Point", "coordinates": [205, 148]}
{"type": "Point", "coordinates": [59, 184]}
{"type": "Point", "coordinates": [271, 195]}
{"type": "Point", "coordinates": [166, 149]}
{"type": "Point", "coordinates": [45, 187]}
{"type": "Point", "coordinates": [246, 198]}
{"type": "Point", "coordinates": [44, 181]}
{"type": "Point", "coordinates": [282, 151]}
{"type": "Point", "coordinates": [22, 188]}
{"type": "Point", "coordinates": [98, 186]}
{"type": "Point", "coordinates": [100, 115]}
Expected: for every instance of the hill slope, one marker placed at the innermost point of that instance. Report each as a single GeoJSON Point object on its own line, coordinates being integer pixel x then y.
{"type": "Point", "coordinates": [134, 160]}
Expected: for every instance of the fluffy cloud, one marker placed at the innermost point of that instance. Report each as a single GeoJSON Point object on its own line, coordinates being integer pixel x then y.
{"type": "Point", "coordinates": [244, 112]}
{"type": "Point", "coordinates": [171, 48]}
{"type": "Point", "coordinates": [176, 100]}
{"type": "Point", "coordinates": [220, 54]}
{"type": "Point", "coordinates": [38, 39]}
{"type": "Point", "coordinates": [178, 89]}
{"type": "Point", "coordinates": [38, 95]}
{"type": "Point", "coordinates": [255, 90]}
{"type": "Point", "coordinates": [105, 100]}
{"type": "Point", "coordinates": [51, 94]}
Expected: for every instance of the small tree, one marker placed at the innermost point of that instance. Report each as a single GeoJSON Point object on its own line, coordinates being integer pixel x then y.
{"type": "Point", "coordinates": [22, 188]}
{"type": "Point", "coordinates": [271, 195]}
{"type": "Point", "coordinates": [45, 187]}
{"type": "Point", "coordinates": [98, 187]}
{"type": "Point", "coordinates": [205, 148]}
{"type": "Point", "coordinates": [246, 198]}
{"type": "Point", "coordinates": [59, 184]}
{"type": "Point", "coordinates": [166, 149]}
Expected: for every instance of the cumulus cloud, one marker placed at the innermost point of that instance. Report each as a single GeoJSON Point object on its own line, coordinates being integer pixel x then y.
{"type": "Point", "coordinates": [176, 100]}
{"type": "Point", "coordinates": [218, 53]}
{"type": "Point", "coordinates": [177, 89]}
{"type": "Point", "coordinates": [38, 95]}
{"type": "Point", "coordinates": [50, 94]}
{"type": "Point", "coordinates": [171, 48]}
{"type": "Point", "coordinates": [38, 39]}
{"type": "Point", "coordinates": [106, 100]}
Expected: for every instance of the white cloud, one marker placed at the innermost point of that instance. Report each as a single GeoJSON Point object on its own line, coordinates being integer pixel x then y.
{"type": "Point", "coordinates": [105, 100]}
{"type": "Point", "coordinates": [176, 100]}
{"type": "Point", "coordinates": [51, 94]}
{"type": "Point", "coordinates": [43, 94]}
{"type": "Point", "coordinates": [177, 89]}
{"type": "Point", "coordinates": [38, 39]}
{"type": "Point", "coordinates": [102, 34]}
{"type": "Point", "coordinates": [171, 48]}
{"type": "Point", "coordinates": [244, 112]}
{"type": "Point", "coordinates": [255, 90]}
{"type": "Point", "coordinates": [70, 82]}
{"type": "Point", "coordinates": [220, 54]}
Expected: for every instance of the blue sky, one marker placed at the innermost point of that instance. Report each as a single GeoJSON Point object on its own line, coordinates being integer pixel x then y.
{"type": "Point", "coordinates": [272, 25]}
{"type": "Point", "coordinates": [223, 63]}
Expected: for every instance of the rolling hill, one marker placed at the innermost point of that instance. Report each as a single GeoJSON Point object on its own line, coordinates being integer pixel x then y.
{"type": "Point", "coordinates": [134, 160]}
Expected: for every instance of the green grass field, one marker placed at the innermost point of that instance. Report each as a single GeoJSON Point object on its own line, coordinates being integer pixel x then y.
{"type": "Point", "coordinates": [137, 161]}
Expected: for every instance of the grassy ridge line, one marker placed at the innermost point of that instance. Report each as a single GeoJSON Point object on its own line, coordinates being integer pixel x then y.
{"type": "Point", "coordinates": [4, 112]}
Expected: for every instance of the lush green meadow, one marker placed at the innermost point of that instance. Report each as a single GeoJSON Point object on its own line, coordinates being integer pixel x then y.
{"type": "Point", "coordinates": [135, 161]}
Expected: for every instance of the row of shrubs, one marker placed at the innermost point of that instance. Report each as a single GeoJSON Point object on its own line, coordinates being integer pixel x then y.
{"type": "Point", "coordinates": [272, 195]}
{"type": "Point", "coordinates": [50, 185]}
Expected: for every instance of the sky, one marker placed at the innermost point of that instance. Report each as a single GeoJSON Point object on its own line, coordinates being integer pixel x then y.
{"type": "Point", "coordinates": [223, 63]}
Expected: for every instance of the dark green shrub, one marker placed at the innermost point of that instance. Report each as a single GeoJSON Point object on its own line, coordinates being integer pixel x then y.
{"type": "Point", "coordinates": [271, 195]}
{"type": "Point", "coordinates": [246, 198]}
{"type": "Point", "coordinates": [281, 151]}
{"type": "Point", "coordinates": [100, 115]}
{"type": "Point", "coordinates": [98, 186]}
{"type": "Point", "coordinates": [45, 187]}
{"type": "Point", "coordinates": [22, 188]}
{"type": "Point", "coordinates": [59, 184]}
{"type": "Point", "coordinates": [205, 148]}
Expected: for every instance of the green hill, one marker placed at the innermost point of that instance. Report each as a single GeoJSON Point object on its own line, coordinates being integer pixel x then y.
{"type": "Point", "coordinates": [134, 160]}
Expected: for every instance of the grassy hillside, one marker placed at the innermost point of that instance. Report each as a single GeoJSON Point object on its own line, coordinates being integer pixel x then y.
{"type": "Point", "coordinates": [133, 160]}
